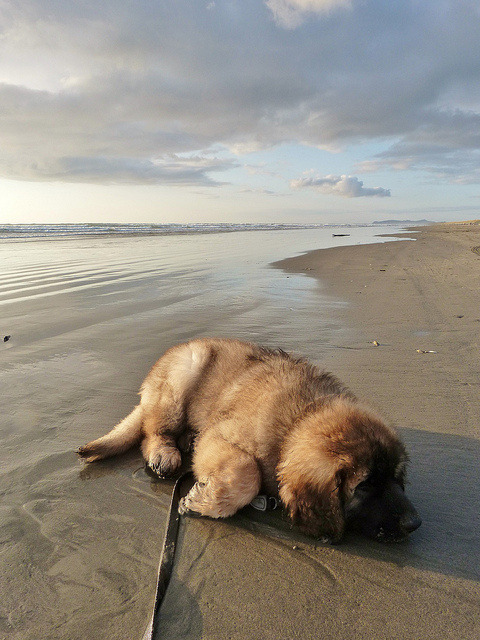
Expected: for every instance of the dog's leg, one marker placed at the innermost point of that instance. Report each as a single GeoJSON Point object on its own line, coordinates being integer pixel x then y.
{"type": "Point", "coordinates": [119, 439]}
{"type": "Point", "coordinates": [164, 400]}
{"type": "Point", "coordinates": [228, 478]}
{"type": "Point", "coordinates": [161, 427]}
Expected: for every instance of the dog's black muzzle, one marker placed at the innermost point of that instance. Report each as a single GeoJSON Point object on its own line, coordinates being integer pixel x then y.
{"type": "Point", "coordinates": [382, 512]}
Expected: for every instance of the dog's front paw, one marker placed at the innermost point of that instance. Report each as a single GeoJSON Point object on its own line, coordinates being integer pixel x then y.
{"type": "Point", "coordinates": [192, 504]}
{"type": "Point", "coordinates": [184, 509]}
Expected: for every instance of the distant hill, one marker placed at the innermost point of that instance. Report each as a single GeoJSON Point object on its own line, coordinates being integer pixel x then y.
{"type": "Point", "coordinates": [404, 222]}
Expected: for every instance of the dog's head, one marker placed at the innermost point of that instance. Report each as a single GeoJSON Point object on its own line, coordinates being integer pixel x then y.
{"type": "Point", "coordinates": [343, 467]}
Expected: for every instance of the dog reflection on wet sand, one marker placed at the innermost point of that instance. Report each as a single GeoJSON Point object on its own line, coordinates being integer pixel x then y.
{"type": "Point", "coordinates": [260, 420]}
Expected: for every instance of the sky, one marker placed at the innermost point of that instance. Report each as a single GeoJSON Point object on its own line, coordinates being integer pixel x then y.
{"type": "Point", "coordinates": [239, 110]}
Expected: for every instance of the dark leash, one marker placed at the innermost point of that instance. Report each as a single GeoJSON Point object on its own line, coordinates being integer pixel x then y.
{"type": "Point", "coordinates": [165, 567]}
{"type": "Point", "coordinates": [168, 555]}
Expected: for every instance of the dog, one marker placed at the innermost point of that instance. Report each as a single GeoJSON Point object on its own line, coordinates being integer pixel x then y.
{"type": "Point", "coordinates": [260, 420]}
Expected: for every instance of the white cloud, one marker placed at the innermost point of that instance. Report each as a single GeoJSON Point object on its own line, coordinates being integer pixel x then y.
{"type": "Point", "coordinates": [123, 86]}
{"type": "Point", "coordinates": [345, 186]}
{"type": "Point", "coordinates": [292, 13]}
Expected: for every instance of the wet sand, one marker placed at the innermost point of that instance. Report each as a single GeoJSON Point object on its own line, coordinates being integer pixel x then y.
{"type": "Point", "coordinates": [80, 545]}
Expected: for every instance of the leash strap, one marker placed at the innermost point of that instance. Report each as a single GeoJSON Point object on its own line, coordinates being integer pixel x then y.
{"type": "Point", "coordinates": [168, 554]}
{"type": "Point", "coordinates": [261, 503]}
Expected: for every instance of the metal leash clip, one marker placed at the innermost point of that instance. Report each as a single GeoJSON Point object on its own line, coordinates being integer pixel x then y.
{"type": "Point", "coordinates": [264, 503]}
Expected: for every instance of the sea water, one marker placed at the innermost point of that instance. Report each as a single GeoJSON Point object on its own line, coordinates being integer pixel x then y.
{"type": "Point", "coordinates": [178, 280]}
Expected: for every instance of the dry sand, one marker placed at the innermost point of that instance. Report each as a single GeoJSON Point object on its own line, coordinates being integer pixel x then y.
{"type": "Point", "coordinates": [80, 546]}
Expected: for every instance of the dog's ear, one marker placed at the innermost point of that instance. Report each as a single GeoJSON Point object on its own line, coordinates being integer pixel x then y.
{"type": "Point", "coordinates": [312, 496]}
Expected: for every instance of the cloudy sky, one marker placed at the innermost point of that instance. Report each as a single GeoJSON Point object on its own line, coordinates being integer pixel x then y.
{"type": "Point", "coordinates": [239, 110]}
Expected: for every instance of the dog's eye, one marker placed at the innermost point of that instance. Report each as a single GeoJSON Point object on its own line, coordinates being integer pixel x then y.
{"type": "Point", "coordinates": [365, 485]}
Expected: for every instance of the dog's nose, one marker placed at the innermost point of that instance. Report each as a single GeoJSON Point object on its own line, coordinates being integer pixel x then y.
{"type": "Point", "coordinates": [410, 523]}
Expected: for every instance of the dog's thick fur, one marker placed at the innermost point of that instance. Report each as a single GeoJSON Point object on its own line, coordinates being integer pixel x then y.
{"type": "Point", "coordinates": [260, 420]}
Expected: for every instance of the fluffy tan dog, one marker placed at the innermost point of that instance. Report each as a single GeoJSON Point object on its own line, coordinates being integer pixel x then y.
{"type": "Point", "coordinates": [260, 420]}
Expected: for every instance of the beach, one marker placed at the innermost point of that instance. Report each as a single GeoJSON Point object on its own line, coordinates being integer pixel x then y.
{"type": "Point", "coordinates": [81, 544]}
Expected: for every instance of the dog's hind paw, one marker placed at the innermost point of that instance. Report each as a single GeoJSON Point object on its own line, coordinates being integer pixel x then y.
{"type": "Point", "coordinates": [155, 472]}
{"type": "Point", "coordinates": [91, 452]}
{"type": "Point", "coordinates": [159, 471]}
{"type": "Point", "coordinates": [165, 464]}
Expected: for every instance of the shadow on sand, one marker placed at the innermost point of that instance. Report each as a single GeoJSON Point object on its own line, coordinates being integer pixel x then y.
{"type": "Point", "coordinates": [444, 477]}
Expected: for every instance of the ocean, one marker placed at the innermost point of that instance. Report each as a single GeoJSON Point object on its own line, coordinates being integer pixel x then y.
{"type": "Point", "coordinates": [215, 276]}
{"type": "Point", "coordinates": [74, 230]}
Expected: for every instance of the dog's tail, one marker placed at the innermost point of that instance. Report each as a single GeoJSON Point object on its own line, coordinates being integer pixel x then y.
{"type": "Point", "coordinates": [122, 437]}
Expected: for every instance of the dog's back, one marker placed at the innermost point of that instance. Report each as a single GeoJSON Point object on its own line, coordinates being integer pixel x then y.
{"type": "Point", "coordinates": [244, 382]}
{"type": "Point", "coordinates": [252, 396]}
